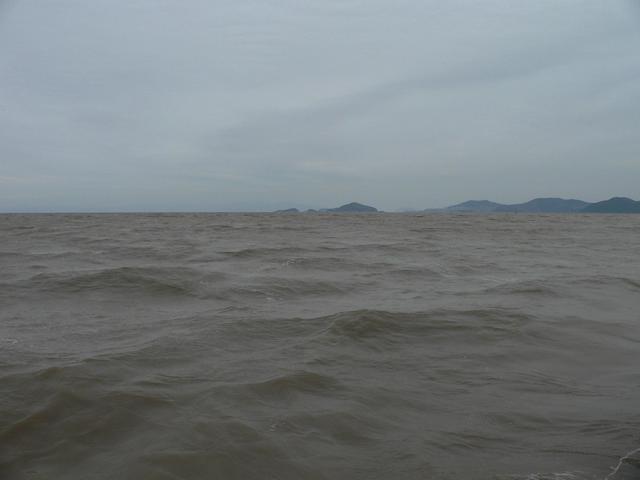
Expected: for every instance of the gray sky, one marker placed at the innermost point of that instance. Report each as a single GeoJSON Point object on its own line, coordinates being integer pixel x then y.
{"type": "Point", "coordinates": [264, 104]}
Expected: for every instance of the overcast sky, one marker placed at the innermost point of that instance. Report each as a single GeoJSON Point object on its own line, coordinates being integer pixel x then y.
{"type": "Point", "coordinates": [264, 104]}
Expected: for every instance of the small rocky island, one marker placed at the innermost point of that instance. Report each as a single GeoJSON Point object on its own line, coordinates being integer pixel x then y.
{"type": "Point", "coordinates": [353, 207]}
{"type": "Point", "coordinates": [288, 210]}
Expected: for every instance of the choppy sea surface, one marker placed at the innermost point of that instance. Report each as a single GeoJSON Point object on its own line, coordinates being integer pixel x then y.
{"type": "Point", "coordinates": [260, 346]}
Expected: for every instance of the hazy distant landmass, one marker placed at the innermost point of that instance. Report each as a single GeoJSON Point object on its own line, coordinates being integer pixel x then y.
{"type": "Point", "coordinates": [614, 205]}
{"type": "Point", "coordinates": [537, 205]}
{"type": "Point", "coordinates": [480, 206]}
{"type": "Point", "coordinates": [353, 207]}
{"type": "Point", "coordinates": [288, 210]}
{"type": "Point", "coordinates": [547, 205]}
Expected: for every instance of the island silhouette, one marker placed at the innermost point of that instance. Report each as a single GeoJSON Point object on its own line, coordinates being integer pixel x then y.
{"type": "Point", "coordinates": [537, 205]}
{"type": "Point", "coordinates": [547, 205]}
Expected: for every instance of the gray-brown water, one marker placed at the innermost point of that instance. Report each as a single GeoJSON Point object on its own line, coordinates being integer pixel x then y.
{"type": "Point", "coordinates": [255, 346]}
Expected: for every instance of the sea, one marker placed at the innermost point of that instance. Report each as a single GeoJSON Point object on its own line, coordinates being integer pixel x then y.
{"type": "Point", "coordinates": [319, 346]}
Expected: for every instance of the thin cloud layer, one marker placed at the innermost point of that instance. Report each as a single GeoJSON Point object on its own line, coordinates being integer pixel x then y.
{"type": "Point", "coordinates": [260, 105]}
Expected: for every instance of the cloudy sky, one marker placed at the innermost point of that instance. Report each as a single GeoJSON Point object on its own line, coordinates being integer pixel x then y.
{"type": "Point", "coordinates": [264, 104]}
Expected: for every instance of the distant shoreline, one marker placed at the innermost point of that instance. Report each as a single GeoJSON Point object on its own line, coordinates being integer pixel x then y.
{"type": "Point", "coordinates": [537, 205]}
{"type": "Point", "coordinates": [615, 205]}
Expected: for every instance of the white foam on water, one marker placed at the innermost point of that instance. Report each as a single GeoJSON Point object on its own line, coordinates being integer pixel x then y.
{"type": "Point", "coordinates": [556, 476]}
{"type": "Point", "coordinates": [553, 476]}
{"type": "Point", "coordinates": [620, 462]}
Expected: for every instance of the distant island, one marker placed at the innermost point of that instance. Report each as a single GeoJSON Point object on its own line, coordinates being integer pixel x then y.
{"type": "Point", "coordinates": [288, 210]}
{"type": "Point", "coordinates": [614, 205]}
{"type": "Point", "coordinates": [546, 205]}
{"type": "Point", "coordinates": [537, 205]}
{"type": "Point", "coordinates": [353, 207]}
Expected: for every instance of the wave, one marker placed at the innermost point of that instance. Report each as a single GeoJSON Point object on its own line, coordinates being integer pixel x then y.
{"type": "Point", "coordinates": [547, 476]}
{"type": "Point", "coordinates": [271, 288]}
{"type": "Point", "coordinates": [525, 287]}
{"type": "Point", "coordinates": [175, 281]}
{"type": "Point", "coordinates": [632, 284]}
{"type": "Point", "coordinates": [361, 324]}
{"type": "Point", "coordinates": [338, 427]}
{"type": "Point", "coordinates": [261, 252]}
{"type": "Point", "coordinates": [299, 382]}
{"type": "Point", "coordinates": [67, 423]}
{"type": "Point", "coordinates": [561, 286]}
{"type": "Point", "coordinates": [226, 449]}
{"type": "Point", "coordinates": [276, 288]}
{"type": "Point", "coordinates": [327, 264]}
{"type": "Point", "coordinates": [404, 273]}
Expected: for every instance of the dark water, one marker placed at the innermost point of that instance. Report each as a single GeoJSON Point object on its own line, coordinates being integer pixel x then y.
{"type": "Point", "coordinates": [319, 347]}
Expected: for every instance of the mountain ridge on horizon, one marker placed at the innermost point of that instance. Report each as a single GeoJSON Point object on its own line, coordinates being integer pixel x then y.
{"type": "Point", "coordinates": [614, 205]}
{"type": "Point", "coordinates": [547, 205]}
{"type": "Point", "coordinates": [536, 205]}
{"type": "Point", "coordinates": [352, 207]}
